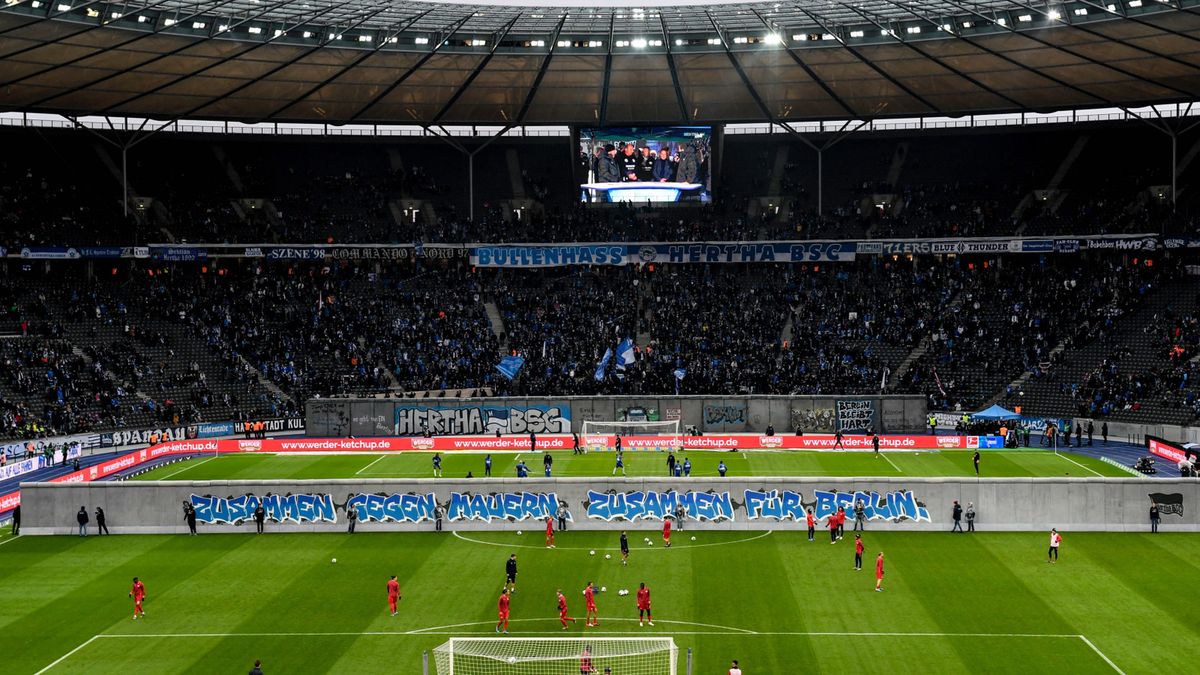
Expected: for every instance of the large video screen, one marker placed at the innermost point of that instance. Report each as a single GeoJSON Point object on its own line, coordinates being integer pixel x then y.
{"type": "Point", "coordinates": [643, 165]}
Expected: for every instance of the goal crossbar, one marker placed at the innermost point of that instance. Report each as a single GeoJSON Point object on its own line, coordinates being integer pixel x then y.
{"type": "Point", "coordinates": [553, 655]}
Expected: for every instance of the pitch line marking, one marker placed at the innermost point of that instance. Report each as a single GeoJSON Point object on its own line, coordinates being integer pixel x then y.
{"type": "Point", "coordinates": [1079, 465]}
{"type": "Point", "coordinates": [373, 463]}
{"type": "Point", "coordinates": [1100, 653]}
{"type": "Point", "coordinates": [584, 548]}
{"type": "Point", "coordinates": [720, 630]}
{"type": "Point", "coordinates": [10, 540]}
{"type": "Point", "coordinates": [187, 468]}
{"type": "Point", "coordinates": [68, 654]}
{"type": "Point", "coordinates": [889, 461]}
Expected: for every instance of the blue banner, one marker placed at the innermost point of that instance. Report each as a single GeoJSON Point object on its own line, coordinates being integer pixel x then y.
{"type": "Point", "coordinates": [178, 253]}
{"type": "Point", "coordinates": [629, 254]}
{"type": "Point", "coordinates": [105, 252]}
{"type": "Point", "coordinates": [509, 366]}
{"type": "Point", "coordinates": [548, 256]}
{"type": "Point", "coordinates": [49, 253]}
{"type": "Point", "coordinates": [214, 429]}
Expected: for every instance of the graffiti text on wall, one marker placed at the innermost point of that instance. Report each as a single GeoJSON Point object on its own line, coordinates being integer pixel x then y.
{"type": "Point", "coordinates": [395, 508]}
{"type": "Point", "coordinates": [414, 420]}
{"type": "Point", "coordinates": [638, 505]}
{"type": "Point", "coordinates": [278, 508]}
{"type": "Point", "coordinates": [511, 506]}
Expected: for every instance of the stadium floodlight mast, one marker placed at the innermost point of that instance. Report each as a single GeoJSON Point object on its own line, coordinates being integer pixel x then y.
{"type": "Point", "coordinates": [555, 655]}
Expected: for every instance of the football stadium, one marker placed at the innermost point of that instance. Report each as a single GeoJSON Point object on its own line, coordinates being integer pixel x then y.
{"type": "Point", "coordinates": [509, 337]}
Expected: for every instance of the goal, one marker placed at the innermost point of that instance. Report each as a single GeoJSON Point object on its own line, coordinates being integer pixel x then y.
{"type": "Point", "coordinates": [555, 656]}
{"type": "Point", "coordinates": [667, 428]}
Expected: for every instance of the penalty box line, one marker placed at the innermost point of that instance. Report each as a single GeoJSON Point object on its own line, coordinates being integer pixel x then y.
{"type": "Point", "coordinates": [435, 631]}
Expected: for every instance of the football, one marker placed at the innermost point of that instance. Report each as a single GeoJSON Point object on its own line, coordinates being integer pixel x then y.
{"type": "Point", "coordinates": [512, 659]}
{"type": "Point", "coordinates": [591, 553]}
{"type": "Point", "coordinates": [334, 560]}
{"type": "Point", "coordinates": [693, 537]}
{"type": "Point", "coordinates": [607, 556]}
{"type": "Point", "coordinates": [518, 533]}
{"type": "Point", "coordinates": [604, 589]}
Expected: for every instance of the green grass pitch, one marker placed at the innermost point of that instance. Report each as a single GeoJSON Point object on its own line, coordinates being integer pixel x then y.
{"type": "Point", "coordinates": [1022, 463]}
{"type": "Point", "coordinates": [986, 602]}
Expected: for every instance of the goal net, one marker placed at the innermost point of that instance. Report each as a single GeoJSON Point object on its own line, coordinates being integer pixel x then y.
{"type": "Point", "coordinates": [556, 656]}
{"type": "Point", "coordinates": [668, 428]}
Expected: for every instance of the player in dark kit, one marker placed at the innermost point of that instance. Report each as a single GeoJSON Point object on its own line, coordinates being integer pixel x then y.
{"type": "Point", "coordinates": [138, 593]}
{"type": "Point", "coordinates": [510, 574]}
{"type": "Point", "coordinates": [837, 439]}
{"type": "Point", "coordinates": [624, 548]}
{"type": "Point", "coordinates": [975, 460]}
{"type": "Point", "coordinates": [393, 591]}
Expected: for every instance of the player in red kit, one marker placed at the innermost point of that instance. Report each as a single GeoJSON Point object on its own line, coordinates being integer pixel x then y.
{"type": "Point", "coordinates": [562, 610]}
{"type": "Point", "coordinates": [811, 522]}
{"type": "Point", "coordinates": [589, 601]}
{"type": "Point", "coordinates": [585, 662]}
{"type": "Point", "coordinates": [138, 593]}
{"type": "Point", "coordinates": [502, 610]}
{"type": "Point", "coordinates": [879, 572]}
{"type": "Point", "coordinates": [393, 588]}
{"type": "Point", "coordinates": [549, 533]}
{"type": "Point", "coordinates": [667, 532]}
{"type": "Point", "coordinates": [833, 525]}
{"type": "Point", "coordinates": [643, 603]}
{"type": "Point", "coordinates": [858, 551]}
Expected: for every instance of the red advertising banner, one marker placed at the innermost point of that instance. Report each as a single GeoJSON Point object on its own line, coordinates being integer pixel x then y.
{"type": "Point", "coordinates": [1165, 449]}
{"type": "Point", "coordinates": [509, 443]}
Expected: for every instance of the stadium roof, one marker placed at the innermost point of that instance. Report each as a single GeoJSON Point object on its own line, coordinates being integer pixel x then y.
{"type": "Point", "coordinates": [511, 63]}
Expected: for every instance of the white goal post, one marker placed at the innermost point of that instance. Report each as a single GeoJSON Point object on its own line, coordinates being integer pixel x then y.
{"type": "Point", "coordinates": [556, 656]}
{"type": "Point", "coordinates": [667, 428]}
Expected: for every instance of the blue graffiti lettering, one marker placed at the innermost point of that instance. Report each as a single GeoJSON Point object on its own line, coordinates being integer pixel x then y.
{"type": "Point", "coordinates": [394, 508]}
{"type": "Point", "coordinates": [295, 508]}
{"type": "Point", "coordinates": [515, 506]}
{"type": "Point", "coordinates": [637, 505]}
{"type": "Point", "coordinates": [896, 505]}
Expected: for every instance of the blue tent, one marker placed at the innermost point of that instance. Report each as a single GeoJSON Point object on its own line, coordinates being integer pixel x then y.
{"type": "Point", "coordinates": [995, 413]}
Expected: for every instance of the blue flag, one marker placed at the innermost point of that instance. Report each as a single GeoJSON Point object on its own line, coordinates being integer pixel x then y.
{"type": "Point", "coordinates": [509, 366]}
{"type": "Point", "coordinates": [680, 373]}
{"type": "Point", "coordinates": [603, 365]}
{"type": "Point", "coordinates": [624, 356]}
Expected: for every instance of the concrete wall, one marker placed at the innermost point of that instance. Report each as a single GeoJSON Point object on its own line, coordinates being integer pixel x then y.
{"type": "Point", "coordinates": [890, 414]}
{"type": "Point", "coordinates": [1116, 504]}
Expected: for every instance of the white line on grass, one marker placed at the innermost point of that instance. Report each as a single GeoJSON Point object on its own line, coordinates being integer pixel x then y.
{"type": "Point", "coordinates": [65, 656]}
{"type": "Point", "coordinates": [373, 463]}
{"type": "Point", "coordinates": [187, 468]}
{"type": "Point", "coordinates": [435, 630]}
{"type": "Point", "coordinates": [582, 548]}
{"type": "Point", "coordinates": [1079, 465]}
{"type": "Point", "coordinates": [1100, 653]}
{"type": "Point", "coordinates": [10, 540]}
{"type": "Point", "coordinates": [722, 630]}
{"type": "Point", "coordinates": [889, 461]}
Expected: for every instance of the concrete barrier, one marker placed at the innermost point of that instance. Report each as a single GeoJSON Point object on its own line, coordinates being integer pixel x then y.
{"type": "Point", "coordinates": [923, 504]}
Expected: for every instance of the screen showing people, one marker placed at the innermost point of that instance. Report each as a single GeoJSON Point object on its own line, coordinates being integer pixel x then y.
{"type": "Point", "coordinates": [646, 164]}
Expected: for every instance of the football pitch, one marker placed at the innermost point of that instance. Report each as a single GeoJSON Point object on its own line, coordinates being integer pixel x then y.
{"type": "Point", "coordinates": [979, 602]}
{"type": "Point", "coordinates": [994, 463]}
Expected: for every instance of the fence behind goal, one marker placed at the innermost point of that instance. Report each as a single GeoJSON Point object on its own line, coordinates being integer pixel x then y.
{"type": "Point", "coordinates": [555, 656]}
